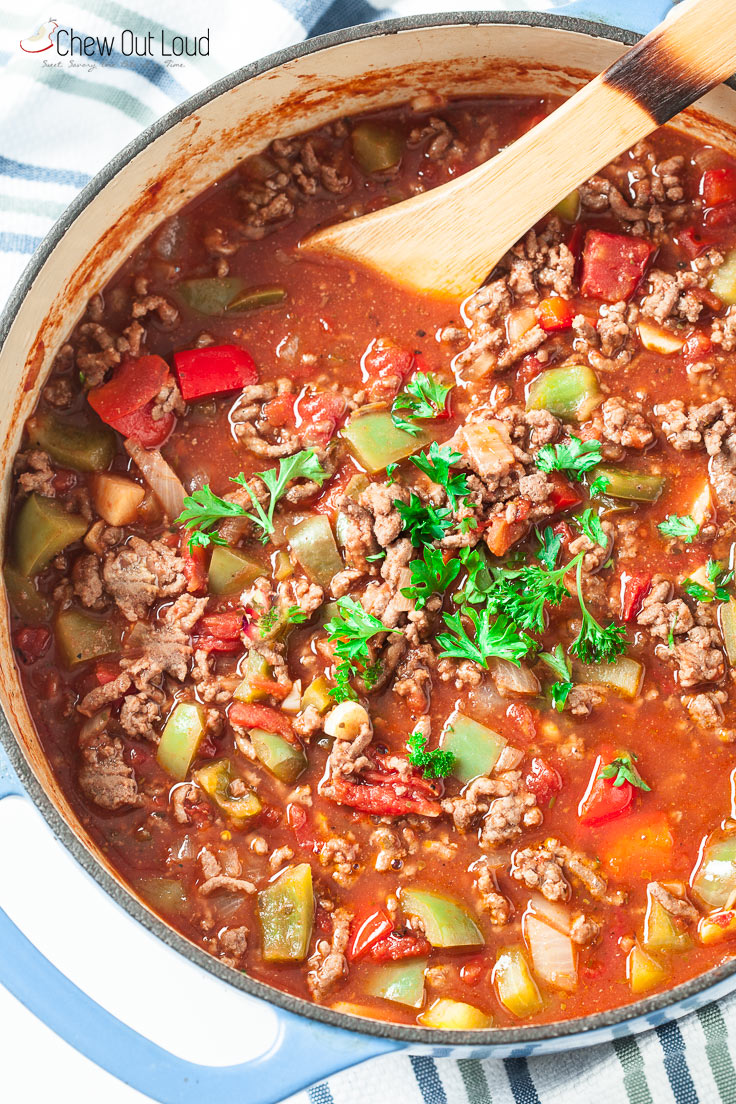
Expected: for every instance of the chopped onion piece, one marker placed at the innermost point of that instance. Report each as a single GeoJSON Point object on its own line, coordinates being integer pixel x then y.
{"type": "Point", "coordinates": [292, 703]}
{"type": "Point", "coordinates": [160, 477]}
{"type": "Point", "coordinates": [489, 446]}
{"type": "Point", "coordinates": [512, 680]}
{"type": "Point", "coordinates": [519, 322]}
{"type": "Point", "coordinates": [551, 912]}
{"type": "Point", "coordinates": [553, 953]}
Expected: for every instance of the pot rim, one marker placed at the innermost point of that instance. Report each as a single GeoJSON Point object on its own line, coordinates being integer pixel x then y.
{"type": "Point", "coordinates": [576, 1030]}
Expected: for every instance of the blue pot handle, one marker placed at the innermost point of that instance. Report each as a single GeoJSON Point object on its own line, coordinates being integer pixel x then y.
{"type": "Point", "coordinates": [303, 1052]}
{"type": "Point", "coordinates": [632, 14]}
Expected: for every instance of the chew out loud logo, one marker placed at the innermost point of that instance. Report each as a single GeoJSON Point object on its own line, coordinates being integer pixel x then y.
{"type": "Point", "coordinates": [66, 42]}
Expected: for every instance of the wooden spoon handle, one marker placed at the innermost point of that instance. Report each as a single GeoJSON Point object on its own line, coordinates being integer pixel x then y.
{"type": "Point", "coordinates": [445, 242]}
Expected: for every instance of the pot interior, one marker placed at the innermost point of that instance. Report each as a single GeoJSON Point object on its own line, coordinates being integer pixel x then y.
{"type": "Point", "coordinates": [180, 157]}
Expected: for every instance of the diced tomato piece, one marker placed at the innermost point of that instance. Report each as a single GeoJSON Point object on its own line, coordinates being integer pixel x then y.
{"type": "Point", "coordinates": [562, 529]}
{"type": "Point", "coordinates": [691, 239]}
{"type": "Point", "coordinates": [194, 561]}
{"type": "Point", "coordinates": [215, 644]}
{"type": "Point", "coordinates": [334, 490]}
{"type": "Point", "coordinates": [501, 534]}
{"type": "Point", "coordinates": [529, 368]}
{"type": "Point", "coordinates": [634, 588]}
{"type": "Point", "coordinates": [64, 481]}
{"type": "Point", "coordinates": [279, 412]}
{"type": "Point", "coordinates": [602, 800]}
{"type": "Point", "coordinates": [253, 715]}
{"type": "Point", "coordinates": [213, 370]}
{"type": "Point", "coordinates": [106, 670]}
{"type": "Point", "coordinates": [208, 748]}
{"type": "Point", "coordinates": [563, 495]}
{"type": "Point", "coordinates": [385, 367]}
{"type": "Point", "coordinates": [368, 930]}
{"type": "Point", "coordinates": [575, 241]}
{"type": "Point", "coordinates": [144, 428]}
{"type": "Point", "coordinates": [269, 686]}
{"type": "Point", "coordinates": [543, 780]}
{"type": "Point", "coordinates": [318, 415]}
{"type": "Point", "coordinates": [718, 217]}
{"type": "Point", "coordinates": [396, 946]}
{"type": "Point", "coordinates": [718, 186]}
{"type": "Point", "coordinates": [227, 625]}
{"type": "Point", "coordinates": [386, 799]}
{"type": "Point", "coordinates": [31, 643]}
{"type": "Point", "coordinates": [697, 345]}
{"type": "Point", "coordinates": [613, 265]}
{"type": "Point", "coordinates": [554, 314]}
{"type": "Point", "coordinates": [525, 719]}
{"type": "Point", "coordinates": [297, 819]}
{"type": "Point", "coordinates": [133, 384]}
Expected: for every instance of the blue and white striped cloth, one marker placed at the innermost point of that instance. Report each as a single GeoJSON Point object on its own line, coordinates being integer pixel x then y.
{"type": "Point", "coordinates": [58, 126]}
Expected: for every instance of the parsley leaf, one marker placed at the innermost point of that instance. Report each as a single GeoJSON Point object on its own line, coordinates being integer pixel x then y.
{"type": "Point", "coordinates": [268, 621]}
{"type": "Point", "coordinates": [351, 628]}
{"type": "Point", "coordinates": [479, 581]}
{"type": "Point", "coordinates": [715, 574]}
{"type": "Point", "coordinates": [599, 486]}
{"type": "Point", "coordinates": [593, 643]}
{"type": "Point", "coordinates": [423, 397]}
{"type": "Point", "coordinates": [342, 690]}
{"type": "Point", "coordinates": [679, 528]}
{"type": "Point", "coordinates": [573, 456]}
{"type": "Point", "coordinates": [203, 511]}
{"type": "Point", "coordinates": [436, 465]}
{"type": "Point", "coordinates": [372, 674]}
{"type": "Point", "coordinates": [296, 615]}
{"type": "Point", "coordinates": [522, 592]}
{"type": "Point", "coordinates": [671, 634]}
{"type": "Point", "coordinates": [390, 469]}
{"type": "Point", "coordinates": [423, 523]}
{"type": "Point", "coordinates": [494, 636]}
{"type": "Point", "coordinates": [559, 664]}
{"type": "Point", "coordinates": [430, 575]}
{"type": "Point", "coordinates": [551, 543]}
{"type": "Point", "coordinates": [375, 556]}
{"type": "Point", "coordinates": [434, 764]}
{"type": "Point", "coordinates": [590, 524]}
{"type": "Point", "coordinates": [302, 465]}
{"type": "Point", "coordinates": [621, 770]}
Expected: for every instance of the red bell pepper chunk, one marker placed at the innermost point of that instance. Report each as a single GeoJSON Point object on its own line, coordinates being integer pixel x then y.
{"type": "Point", "coordinates": [554, 314]}
{"type": "Point", "coordinates": [634, 589]}
{"type": "Point", "coordinates": [253, 715]}
{"type": "Point", "coordinates": [603, 801]}
{"type": "Point", "coordinates": [133, 384]}
{"type": "Point", "coordinates": [368, 931]}
{"type": "Point", "coordinates": [395, 946]}
{"type": "Point", "coordinates": [543, 780]}
{"type": "Point", "coordinates": [613, 265]}
{"type": "Point", "coordinates": [563, 494]}
{"type": "Point", "coordinates": [718, 186]}
{"type": "Point", "coordinates": [213, 370]}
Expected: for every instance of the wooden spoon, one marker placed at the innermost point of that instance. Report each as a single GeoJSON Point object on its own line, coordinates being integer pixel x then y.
{"type": "Point", "coordinates": [446, 241]}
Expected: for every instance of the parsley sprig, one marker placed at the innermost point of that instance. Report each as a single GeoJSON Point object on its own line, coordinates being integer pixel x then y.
{"type": "Point", "coordinates": [204, 510]}
{"type": "Point", "coordinates": [479, 581]}
{"type": "Point", "coordinates": [719, 579]}
{"type": "Point", "coordinates": [434, 764]}
{"type": "Point", "coordinates": [574, 456]}
{"type": "Point", "coordinates": [559, 664]}
{"type": "Point", "coordinates": [349, 631]}
{"type": "Point", "coordinates": [436, 466]}
{"type": "Point", "coordinates": [424, 524]}
{"type": "Point", "coordinates": [589, 523]}
{"type": "Point", "coordinates": [681, 527]}
{"type": "Point", "coordinates": [594, 643]}
{"type": "Point", "coordinates": [424, 397]}
{"type": "Point", "coordinates": [550, 545]}
{"type": "Point", "coordinates": [622, 769]}
{"type": "Point", "coordinates": [430, 575]}
{"type": "Point", "coordinates": [523, 592]}
{"type": "Point", "coordinates": [493, 637]}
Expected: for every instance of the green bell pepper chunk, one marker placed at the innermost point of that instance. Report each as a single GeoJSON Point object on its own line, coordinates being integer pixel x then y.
{"type": "Point", "coordinates": [81, 637]}
{"type": "Point", "coordinates": [723, 280]}
{"type": "Point", "coordinates": [215, 780]}
{"type": "Point", "coordinates": [284, 760]}
{"type": "Point", "coordinates": [180, 739]}
{"type": "Point", "coordinates": [570, 391]}
{"type": "Point", "coordinates": [446, 922]}
{"type": "Point", "coordinates": [230, 570]}
{"type": "Point", "coordinates": [475, 747]}
{"type": "Point", "coordinates": [286, 915]}
{"type": "Point", "coordinates": [318, 695]}
{"type": "Point", "coordinates": [255, 667]}
{"type": "Point", "coordinates": [660, 931]}
{"type": "Point", "coordinates": [88, 448]}
{"type": "Point", "coordinates": [454, 1015]}
{"type": "Point", "coordinates": [376, 442]}
{"type": "Point", "coordinates": [312, 542]}
{"type": "Point", "coordinates": [209, 294]}
{"type": "Point", "coordinates": [166, 895]}
{"type": "Point", "coordinates": [516, 988]}
{"type": "Point", "coordinates": [402, 982]}
{"type": "Point", "coordinates": [569, 207]}
{"type": "Point", "coordinates": [42, 529]}
{"type": "Point", "coordinates": [256, 297]}
{"type": "Point", "coordinates": [376, 147]}
{"type": "Point", "coordinates": [637, 486]}
{"type": "Point", "coordinates": [25, 598]}
{"type": "Point", "coordinates": [715, 880]}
